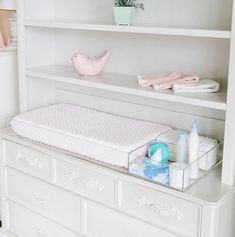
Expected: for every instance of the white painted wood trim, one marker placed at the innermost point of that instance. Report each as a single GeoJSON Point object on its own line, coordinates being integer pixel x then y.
{"type": "Point", "coordinates": [228, 174]}
{"type": "Point", "coordinates": [21, 56]}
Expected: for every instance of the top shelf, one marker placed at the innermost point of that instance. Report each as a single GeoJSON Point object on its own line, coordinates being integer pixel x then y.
{"type": "Point", "coordinates": [155, 30]}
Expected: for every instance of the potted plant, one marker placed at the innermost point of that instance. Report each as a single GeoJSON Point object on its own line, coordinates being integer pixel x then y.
{"type": "Point", "coordinates": [124, 11]}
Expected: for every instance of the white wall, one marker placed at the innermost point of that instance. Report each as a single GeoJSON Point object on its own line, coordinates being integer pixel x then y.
{"type": "Point", "coordinates": [9, 101]}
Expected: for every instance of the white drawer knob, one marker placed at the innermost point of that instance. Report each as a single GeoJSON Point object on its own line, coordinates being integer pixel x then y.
{"type": "Point", "coordinates": [30, 162]}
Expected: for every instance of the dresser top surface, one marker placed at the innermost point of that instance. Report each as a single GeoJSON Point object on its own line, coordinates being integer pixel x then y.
{"type": "Point", "coordinates": [209, 190]}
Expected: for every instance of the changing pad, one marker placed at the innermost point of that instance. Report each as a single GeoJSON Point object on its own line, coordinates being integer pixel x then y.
{"type": "Point", "coordinates": [98, 135]}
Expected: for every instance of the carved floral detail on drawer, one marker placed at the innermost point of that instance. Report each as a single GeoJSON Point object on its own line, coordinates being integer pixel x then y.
{"type": "Point", "coordinates": [127, 234]}
{"type": "Point", "coordinates": [41, 199]}
{"type": "Point", "coordinates": [29, 161]}
{"type": "Point", "coordinates": [86, 182]}
{"type": "Point", "coordinates": [41, 233]}
{"type": "Point", "coordinates": [163, 210]}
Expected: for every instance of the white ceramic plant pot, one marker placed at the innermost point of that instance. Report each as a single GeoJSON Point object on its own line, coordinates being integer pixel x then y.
{"type": "Point", "coordinates": [123, 15]}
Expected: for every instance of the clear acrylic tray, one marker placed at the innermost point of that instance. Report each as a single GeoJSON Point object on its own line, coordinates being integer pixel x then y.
{"type": "Point", "coordinates": [179, 176]}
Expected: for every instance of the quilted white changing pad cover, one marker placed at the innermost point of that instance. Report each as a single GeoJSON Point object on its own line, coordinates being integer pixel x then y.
{"type": "Point", "coordinates": [98, 135]}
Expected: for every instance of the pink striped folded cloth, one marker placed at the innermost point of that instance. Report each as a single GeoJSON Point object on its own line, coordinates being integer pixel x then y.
{"type": "Point", "coordinates": [166, 81]}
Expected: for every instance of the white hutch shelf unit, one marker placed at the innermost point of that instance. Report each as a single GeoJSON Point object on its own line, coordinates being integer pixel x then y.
{"type": "Point", "coordinates": [189, 36]}
{"type": "Point", "coordinates": [194, 37]}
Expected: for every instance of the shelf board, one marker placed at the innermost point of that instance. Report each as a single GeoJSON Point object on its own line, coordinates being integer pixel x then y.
{"type": "Point", "coordinates": [7, 51]}
{"type": "Point", "coordinates": [126, 84]}
{"type": "Point", "coordinates": [156, 30]}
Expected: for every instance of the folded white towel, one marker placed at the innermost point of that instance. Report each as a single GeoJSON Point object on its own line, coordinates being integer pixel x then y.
{"type": "Point", "coordinates": [203, 86]}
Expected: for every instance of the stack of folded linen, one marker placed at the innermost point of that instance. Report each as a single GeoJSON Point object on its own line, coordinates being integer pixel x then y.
{"type": "Point", "coordinates": [178, 82]}
{"type": "Point", "coordinates": [205, 85]}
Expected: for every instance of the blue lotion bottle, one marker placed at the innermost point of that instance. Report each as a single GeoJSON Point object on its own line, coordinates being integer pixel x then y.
{"type": "Point", "coordinates": [182, 148]}
{"type": "Point", "coordinates": [193, 151]}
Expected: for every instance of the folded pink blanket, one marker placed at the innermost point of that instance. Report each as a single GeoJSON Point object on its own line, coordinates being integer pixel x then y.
{"type": "Point", "coordinates": [166, 81]}
{"type": "Point", "coordinates": [170, 84]}
{"type": "Point", "coordinates": [151, 80]}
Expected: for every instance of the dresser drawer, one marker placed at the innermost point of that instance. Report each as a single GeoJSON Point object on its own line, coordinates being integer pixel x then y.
{"type": "Point", "coordinates": [86, 182]}
{"type": "Point", "coordinates": [103, 222]}
{"type": "Point", "coordinates": [59, 204]}
{"type": "Point", "coordinates": [25, 223]}
{"type": "Point", "coordinates": [28, 160]}
{"type": "Point", "coordinates": [161, 209]}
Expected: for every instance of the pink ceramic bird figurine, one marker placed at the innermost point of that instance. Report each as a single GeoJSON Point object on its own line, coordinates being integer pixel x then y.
{"type": "Point", "coordinates": [89, 66]}
{"type": "Point", "coordinates": [1, 41]}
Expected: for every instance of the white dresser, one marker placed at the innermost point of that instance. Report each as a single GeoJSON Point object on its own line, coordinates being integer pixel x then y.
{"type": "Point", "coordinates": [48, 193]}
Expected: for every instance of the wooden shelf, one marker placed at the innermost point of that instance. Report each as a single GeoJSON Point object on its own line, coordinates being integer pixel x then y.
{"type": "Point", "coordinates": [126, 84]}
{"type": "Point", "coordinates": [156, 30]}
{"type": "Point", "coordinates": [7, 51]}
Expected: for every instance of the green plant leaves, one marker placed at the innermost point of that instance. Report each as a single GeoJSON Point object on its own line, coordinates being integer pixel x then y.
{"type": "Point", "coordinates": [129, 3]}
